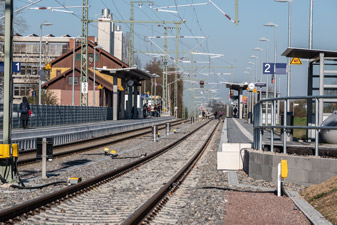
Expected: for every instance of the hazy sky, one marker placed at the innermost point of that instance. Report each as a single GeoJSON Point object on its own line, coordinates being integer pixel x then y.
{"type": "Point", "coordinates": [223, 37]}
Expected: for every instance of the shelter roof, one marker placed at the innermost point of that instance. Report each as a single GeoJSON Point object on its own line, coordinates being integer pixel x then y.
{"type": "Point", "coordinates": [305, 53]}
{"type": "Point", "coordinates": [236, 86]}
{"type": "Point", "coordinates": [131, 73]}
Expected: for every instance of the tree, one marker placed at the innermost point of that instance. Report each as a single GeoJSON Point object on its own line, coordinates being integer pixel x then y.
{"type": "Point", "coordinates": [20, 24]}
{"type": "Point", "coordinates": [216, 106]}
{"type": "Point", "coordinates": [47, 97]}
{"type": "Point", "coordinates": [155, 66]}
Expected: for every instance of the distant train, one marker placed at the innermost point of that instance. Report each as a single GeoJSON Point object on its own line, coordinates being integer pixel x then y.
{"type": "Point", "coordinates": [329, 136]}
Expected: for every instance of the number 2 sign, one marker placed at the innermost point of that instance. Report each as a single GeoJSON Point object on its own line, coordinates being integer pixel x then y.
{"type": "Point", "coordinates": [268, 68]}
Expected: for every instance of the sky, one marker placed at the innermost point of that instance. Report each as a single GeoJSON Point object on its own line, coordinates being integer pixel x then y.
{"type": "Point", "coordinates": [235, 42]}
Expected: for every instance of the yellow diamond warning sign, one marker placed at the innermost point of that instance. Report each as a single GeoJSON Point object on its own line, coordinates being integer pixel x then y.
{"type": "Point", "coordinates": [99, 87]}
{"type": "Point", "coordinates": [254, 91]}
{"type": "Point", "coordinates": [296, 61]}
{"type": "Point", "coordinates": [47, 67]}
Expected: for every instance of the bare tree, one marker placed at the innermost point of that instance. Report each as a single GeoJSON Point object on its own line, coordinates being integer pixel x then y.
{"type": "Point", "coordinates": [20, 24]}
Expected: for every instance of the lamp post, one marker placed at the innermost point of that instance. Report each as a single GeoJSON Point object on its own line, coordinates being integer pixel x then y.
{"type": "Point", "coordinates": [93, 86]}
{"type": "Point", "coordinates": [289, 44]}
{"type": "Point", "coordinates": [255, 57]}
{"type": "Point", "coordinates": [267, 77]}
{"type": "Point", "coordinates": [40, 71]}
{"type": "Point", "coordinates": [271, 24]}
{"type": "Point", "coordinates": [273, 121]}
{"type": "Point", "coordinates": [260, 50]}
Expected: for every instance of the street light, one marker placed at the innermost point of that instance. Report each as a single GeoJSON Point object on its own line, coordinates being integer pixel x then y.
{"type": "Point", "coordinates": [40, 71]}
{"type": "Point", "coordinates": [289, 44]}
{"type": "Point", "coordinates": [93, 88]}
{"type": "Point", "coordinates": [267, 60]}
{"type": "Point", "coordinates": [260, 50]}
{"type": "Point", "coordinates": [271, 24]}
{"type": "Point", "coordinates": [255, 57]}
{"type": "Point", "coordinates": [267, 76]}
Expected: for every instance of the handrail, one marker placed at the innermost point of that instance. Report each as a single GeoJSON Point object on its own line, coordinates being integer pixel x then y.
{"type": "Point", "coordinates": [258, 123]}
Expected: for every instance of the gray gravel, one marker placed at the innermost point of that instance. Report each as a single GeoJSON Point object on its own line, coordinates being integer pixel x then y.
{"type": "Point", "coordinates": [85, 165]}
{"type": "Point", "coordinates": [114, 201]}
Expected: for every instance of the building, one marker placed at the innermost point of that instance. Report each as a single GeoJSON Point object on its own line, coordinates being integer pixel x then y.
{"type": "Point", "coordinates": [26, 49]}
{"type": "Point", "coordinates": [61, 75]}
{"type": "Point", "coordinates": [109, 36]}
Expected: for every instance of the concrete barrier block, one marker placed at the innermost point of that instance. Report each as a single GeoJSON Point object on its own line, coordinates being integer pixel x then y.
{"type": "Point", "coordinates": [316, 177]}
{"type": "Point", "coordinates": [267, 159]}
{"type": "Point", "coordinates": [228, 160]}
{"type": "Point", "coordinates": [298, 175]}
{"type": "Point", "coordinates": [320, 164]}
{"type": "Point", "coordinates": [259, 158]}
{"type": "Point", "coordinates": [276, 159]}
{"type": "Point", "coordinates": [333, 166]}
{"type": "Point", "coordinates": [266, 172]}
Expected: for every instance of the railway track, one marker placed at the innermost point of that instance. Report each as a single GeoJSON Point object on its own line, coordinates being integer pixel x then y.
{"type": "Point", "coordinates": [26, 157]}
{"type": "Point", "coordinates": [115, 201]}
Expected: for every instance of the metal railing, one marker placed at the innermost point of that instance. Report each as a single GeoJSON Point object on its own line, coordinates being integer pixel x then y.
{"type": "Point", "coordinates": [48, 115]}
{"type": "Point", "coordinates": [259, 127]}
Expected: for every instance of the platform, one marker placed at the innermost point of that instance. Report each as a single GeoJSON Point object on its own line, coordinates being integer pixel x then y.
{"type": "Point", "coordinates": [26, 138]}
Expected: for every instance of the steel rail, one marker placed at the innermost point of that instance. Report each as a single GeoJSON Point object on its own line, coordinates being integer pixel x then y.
{"type": "Point", "coordinates": [63, 153]}
{"type": "Point", "coordinates": [140, 214]}
{"type": "Point", "coordinates": [18, 210]}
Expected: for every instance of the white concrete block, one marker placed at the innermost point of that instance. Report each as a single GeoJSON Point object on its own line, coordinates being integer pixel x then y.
{"type": "Point", "coordinates": [229, 158]}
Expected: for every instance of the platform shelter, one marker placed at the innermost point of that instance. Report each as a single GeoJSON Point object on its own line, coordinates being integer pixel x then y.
{"type": "Point", "coordinates": [131, 78]}
{"type": "Point", "coordinates": [239, 87]}
{"type": "Point", "coordinates": [322, 74]}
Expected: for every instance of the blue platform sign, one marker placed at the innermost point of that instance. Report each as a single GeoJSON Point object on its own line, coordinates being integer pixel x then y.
{"type": "Point", "coordinates": [268, 68]}
{"type": "Point", "coordinates": [16, 67]}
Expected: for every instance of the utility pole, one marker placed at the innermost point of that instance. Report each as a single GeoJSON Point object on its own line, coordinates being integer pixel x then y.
{"type": "Point", "coordinates": [132, 28]}
{"type": "Point", "coordinates": [176, 74]}
{"type": "Point", "coordinates": [84, 55]}
{"type": "Point", "coordinates": [165, 70]}
{"type": "Point", "coordinates": [236, 22]}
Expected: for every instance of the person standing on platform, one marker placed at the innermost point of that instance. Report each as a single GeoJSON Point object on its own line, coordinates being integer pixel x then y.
{"type": "Point", "coordinates": [220, 115]}
{"type": "Point", "coordinates": [159, 110]}
{"type": "Point", "coordinates": [24, 110]}
{"type": "Point", "coordinates": [215, 114]}
{"type": "Point", "coordinates": [203, 114]}
{"type": "Point", "coordinates": [144, 110]}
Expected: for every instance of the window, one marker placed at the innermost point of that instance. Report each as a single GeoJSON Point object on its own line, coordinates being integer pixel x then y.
{"type": "Point", "coordinates": [58, 72]}
{"type": "Point", "coordinates": [70, 81]}
{"type": "Point", "coordinates": [78, 56]}
{"type": "Point", "coordinates": [16, 91]}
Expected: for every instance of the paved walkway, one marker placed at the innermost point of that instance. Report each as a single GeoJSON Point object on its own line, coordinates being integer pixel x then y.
{"type": "Point", "coordinates": [239, 131]}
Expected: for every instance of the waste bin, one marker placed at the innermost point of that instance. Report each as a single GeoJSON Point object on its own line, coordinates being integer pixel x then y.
{"type": "Point", "coordinates": [50, 142]}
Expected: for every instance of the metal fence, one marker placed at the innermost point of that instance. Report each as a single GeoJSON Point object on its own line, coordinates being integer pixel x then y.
{"type": "Point", "coordinates": [48, 115]}
{"type": "Point", "coordinates": [259, 127]}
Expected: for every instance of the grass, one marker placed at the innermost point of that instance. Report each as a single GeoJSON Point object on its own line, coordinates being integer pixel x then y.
{"type": "Point", "coordinates": [323, 197]}
{"type": "Point", "coordinates": [300, 133]}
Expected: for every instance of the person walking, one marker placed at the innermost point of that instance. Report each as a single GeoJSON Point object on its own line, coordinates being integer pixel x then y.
{"type": "Point", "coordinates": [24, 110]}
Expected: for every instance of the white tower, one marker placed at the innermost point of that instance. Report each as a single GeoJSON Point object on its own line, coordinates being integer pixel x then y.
{"type": "Point", "coordinates": [105, 35]}
{"type": "Point", "coordinates": [118, 44]}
